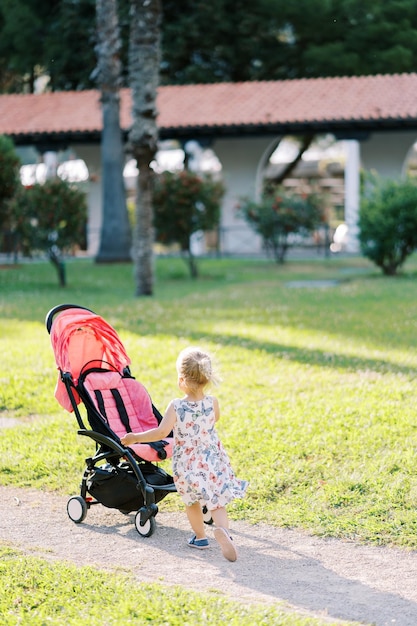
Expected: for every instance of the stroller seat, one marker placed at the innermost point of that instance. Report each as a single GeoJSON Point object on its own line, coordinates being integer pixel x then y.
{"type": "Point", "coordinates": [125, 406]}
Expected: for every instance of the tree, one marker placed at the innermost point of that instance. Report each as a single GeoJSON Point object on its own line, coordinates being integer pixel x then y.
{"type": "Point", "coordinates": [24, 27]}
{"type": "Point", "coordinates": [388, 222]}
{"type": "Point", "coordinates": [234, 40]}
{"type": "Point", "coordinates": [224, 40]}
{"type": "Point", "coordinates": [303, 144]}
{"type": "Point", "coordinates": [144, 60]}
{"type": "Point", "coordinates": [185, 203]}
{"type": "Point", "coordinates": [49, 218]}
{"type": "Point", "coordinates": [280, 215]}
{"type": "Point", "coordinates": [115, 240]}
{"type": "Point", "coordinates": [69, 60]}
{"type": "Point", "coordinates": [37, 38]}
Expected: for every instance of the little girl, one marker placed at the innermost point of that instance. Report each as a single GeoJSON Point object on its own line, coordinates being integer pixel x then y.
{"type": "Point", "coordinates": [200, 465]}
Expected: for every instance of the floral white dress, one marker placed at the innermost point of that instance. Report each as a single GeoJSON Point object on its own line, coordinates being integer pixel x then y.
{"type": "Point", "coordinates": [200, 465]}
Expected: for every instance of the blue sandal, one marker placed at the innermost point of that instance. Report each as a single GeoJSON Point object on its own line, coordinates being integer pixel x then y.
{"type": "Point", "coordinates": [200, 544]}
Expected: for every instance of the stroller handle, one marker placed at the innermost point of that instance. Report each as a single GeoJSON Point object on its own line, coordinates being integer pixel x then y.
{"type": "Point", "coordinates": [57, 309]}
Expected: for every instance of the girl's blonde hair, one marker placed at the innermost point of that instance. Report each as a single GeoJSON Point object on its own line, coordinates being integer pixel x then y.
{"type": "Point", "coordinates": [196, 367]}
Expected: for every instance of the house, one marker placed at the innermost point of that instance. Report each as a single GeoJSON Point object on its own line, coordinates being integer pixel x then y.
{"type": "Point", "coordinates": [376, 117]}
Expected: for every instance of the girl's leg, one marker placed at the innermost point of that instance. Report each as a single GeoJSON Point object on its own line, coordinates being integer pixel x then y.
{"type": "Point", "coordinates": [220, 517]}
{"type": "Point", "coordinates": [195, 517]}
{"type": "Point", "coordinates": [221, 534]}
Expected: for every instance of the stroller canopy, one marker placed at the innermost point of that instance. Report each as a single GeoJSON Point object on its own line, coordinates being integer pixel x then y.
{"type": "Point", "coordinates": [79, 337]}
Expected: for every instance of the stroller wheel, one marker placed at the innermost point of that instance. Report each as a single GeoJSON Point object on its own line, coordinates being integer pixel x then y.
{"type": "Point", "coordinates": [148, 528]}
{"type": "Point", "coordinates": [77, 509]}
{"type": "Point", "coordinates": [207, 516]}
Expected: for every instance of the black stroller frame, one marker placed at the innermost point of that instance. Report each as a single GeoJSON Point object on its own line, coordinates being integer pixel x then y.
{"type": "Point", "coordinates": [114, 476]}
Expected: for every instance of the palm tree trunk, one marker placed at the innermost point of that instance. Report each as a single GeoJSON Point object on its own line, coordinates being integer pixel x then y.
{"type": "Point", "coordinates": [144, 60]}
{"type": "Point", "coordinates": [115, 240]}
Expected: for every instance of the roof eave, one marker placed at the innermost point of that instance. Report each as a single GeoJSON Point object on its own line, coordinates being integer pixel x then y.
{"type": "Point", "coordinates": [343, 129]}
{"type": "Point", "coordinates": [358, 127]}
{"type": "Point", "coordinates": [57, 141]}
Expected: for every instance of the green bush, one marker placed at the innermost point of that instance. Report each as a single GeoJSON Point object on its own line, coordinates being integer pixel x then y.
{"type": "Point", "coordinates": [388, 221]}
{"type": "Point", "coordinates": [9, 176]}
{"type": "Point", "coordinates": [281, 214]}
{"type": "Point", "coordinates": [49, 218]}
{"type": "Point", "coordinates": [184, 203]}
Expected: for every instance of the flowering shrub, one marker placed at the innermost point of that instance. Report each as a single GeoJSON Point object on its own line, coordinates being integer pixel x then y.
{"type": "Point", "coordinates": [51, 218]}
{"type": "Point", "coordinates": [9, 176]}
{"type": "Point", "coordinates": [184, 203]}
{"type": "Point", "coordinates": [388, 222]}
{"type": "Point", "coordinates": [281, 214]}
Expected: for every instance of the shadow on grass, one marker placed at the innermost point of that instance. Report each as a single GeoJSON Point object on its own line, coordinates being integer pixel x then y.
{"type": "Point", "coordinates": [322, 358]}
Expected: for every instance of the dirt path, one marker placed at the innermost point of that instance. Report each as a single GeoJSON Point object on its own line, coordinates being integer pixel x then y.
{"type": "Point", "coordinates": [326, 578]}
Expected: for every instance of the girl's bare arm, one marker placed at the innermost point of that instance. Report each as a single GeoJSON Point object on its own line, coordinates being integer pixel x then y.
{"type": "Point", "coordinates": [154, 434]}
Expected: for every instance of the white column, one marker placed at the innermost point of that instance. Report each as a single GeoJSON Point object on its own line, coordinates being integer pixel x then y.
{"type": "Point", "coordinates": [352, 194]}
{"type": "Point", "coordinates": [50, 159]}
{"type": "Point", "coordinates": [91, 154]}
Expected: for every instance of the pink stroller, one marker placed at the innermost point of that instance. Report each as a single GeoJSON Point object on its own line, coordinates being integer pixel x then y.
{"type": "Point", "coordinates": [94, 372]}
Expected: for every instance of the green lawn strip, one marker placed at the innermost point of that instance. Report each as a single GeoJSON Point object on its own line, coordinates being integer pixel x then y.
{"type": "Point", "coordinates": [37, 592]}
{"type": "Point", "coordinates": [318, 394]}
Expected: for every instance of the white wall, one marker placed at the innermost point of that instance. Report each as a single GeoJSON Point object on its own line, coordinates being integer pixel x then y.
{"type": "Point", "coordinates": [386, 152]}
{"type": "Point", "coordinates": [239, 158]}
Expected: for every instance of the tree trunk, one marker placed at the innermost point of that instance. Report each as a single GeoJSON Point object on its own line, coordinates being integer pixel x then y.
{"type": "Point", "coordinates": [306, 142]}
{"type": "Point", "coordinates": [115, 239]}
{"type": "Point", "coordinates": [191, 262]}
{"type": "Point", "coordinates": [144, 60]}
{"type": "Point", "coordinates": [57, 261]}
{"type": "Point", "coordinates": [143, 233]}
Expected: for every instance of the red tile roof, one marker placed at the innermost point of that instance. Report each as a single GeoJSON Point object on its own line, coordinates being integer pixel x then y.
{"type": "Point", "coordinates": [322, 104]}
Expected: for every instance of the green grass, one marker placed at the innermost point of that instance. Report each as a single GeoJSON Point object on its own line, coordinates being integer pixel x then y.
{"type": "Point", "coordinates": [317, 401]}
{"type": "Point", "coordinates": [317, 398]}
{"type": "Point", "coordinates": [36, 592]}
{"type": "Point", "coordinates": [318, 394]}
